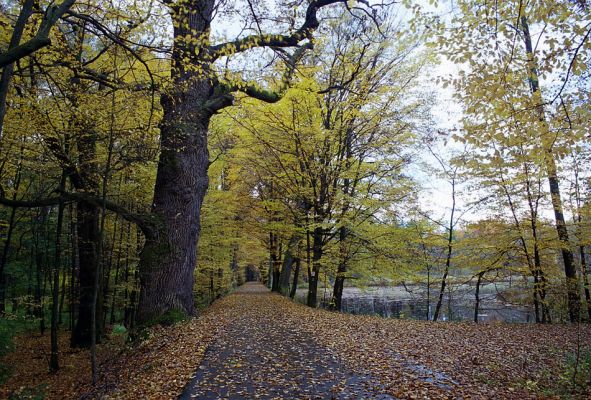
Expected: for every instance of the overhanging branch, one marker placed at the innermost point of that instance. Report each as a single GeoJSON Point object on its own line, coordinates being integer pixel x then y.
{"type": "Point", "coordinates": [309, 25]}
{"type": "Point", "coordinates": [225, 98]}
{"type": "Point", "coordinates": [146, 222]}
{"type": "Point", "coordinates": [41, 38]}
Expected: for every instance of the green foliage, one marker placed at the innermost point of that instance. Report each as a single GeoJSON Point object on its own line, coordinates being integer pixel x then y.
{"type": "Point", "coordinates": [119, 330]}
{"type": "Point", "coordinates": [168, 318]}
{"type": "Point", "coordinates": [576, 376]}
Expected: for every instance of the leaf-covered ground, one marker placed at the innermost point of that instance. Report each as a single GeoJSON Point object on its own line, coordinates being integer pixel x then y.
{"type": "Point", "coordinates": [254, 344]}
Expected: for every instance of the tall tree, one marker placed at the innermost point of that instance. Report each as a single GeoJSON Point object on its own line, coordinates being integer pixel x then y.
{"type": "Point", "coordinates": [503, 64]}
{"type": "Point", "coordinates": [197, 93]}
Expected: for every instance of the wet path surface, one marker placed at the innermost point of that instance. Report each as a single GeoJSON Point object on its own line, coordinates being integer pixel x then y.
{"type": "Point", "coordinates": [263, 353]}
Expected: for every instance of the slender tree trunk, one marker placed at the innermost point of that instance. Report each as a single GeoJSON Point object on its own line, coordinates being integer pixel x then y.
{"type": "Point", "coordinates": [107, 273]}
{"type": "Point", "coordinates": [443, 282]}
{"type": "Point", "coordinates": [4, 259]}
{"type": "Point", "coordinates": [126, 276]}
{"type": "Point", "coordinates": [578, 219]}
{"type": "Point", "coordinates": [339, 283]}
{"type": "Point", "coordinates": [585, 274]}
{"type": "Point", "coordinates": [62, 298]}
{"type": "Point", "coordinates": [538, 273]}
{"type": "Point", "coordinates": [314, 272]}
{"type": "Point", "coordinates": [39, 271]}
{"type": "Point", "coordinates": [535, 267]}
{"type": "Point", "coordinates": [477, 296]}
{"type": "Point", "coordinates": [572, 283]}
{"type": "Point", "coordinates": [88, 238]}
{"type": "Point", "coordinates": [9, 233]}
{"type": "Point", "coordinates": [117, 269]}
{"type": "Point", "coordinates": [275, 261]}
{"type": "Point", "coordinates": [448, 257]}
{"type": "Point", "coordinates": [296, 275]}
{"type": "Point", "coordinates": [54, 358]}
{"type": "Point", "coordinates": [75, 265]}
{"type": "Point", "coordinates": [288, 260]}
{"type": "Point", "coordinates": [428, 292]}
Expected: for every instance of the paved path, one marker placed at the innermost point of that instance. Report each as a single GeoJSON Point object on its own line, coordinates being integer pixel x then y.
{"type": "Point", "coordinates": [264, 354]}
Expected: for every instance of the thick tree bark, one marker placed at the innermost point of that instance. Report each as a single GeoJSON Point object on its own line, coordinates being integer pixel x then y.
{"type": "Point", "coordinates": [168, 259]}
{"type": "Point", "coordinates": [167, 262]}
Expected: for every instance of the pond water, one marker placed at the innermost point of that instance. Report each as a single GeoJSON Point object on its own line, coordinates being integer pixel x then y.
{"type": "Point", "coordinates": [411, 302]}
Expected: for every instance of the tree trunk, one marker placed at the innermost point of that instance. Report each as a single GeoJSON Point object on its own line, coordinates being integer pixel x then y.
{"type": "Point", "coordinates": [477, 297]}
{"type": "Point", "coordinates": [8, 239]}
{"type": "Point", "coordinates": [88, 238]}
{"type": "Point", "coordinates": [107, 273]}
{"type": "Point", "coordinates": [296, 275]}
{"type": "Point", "coordinates": [167, 262]}
{"type": "Point", "coordinates": [274, 260]}
{"type": "Point", "coordinates": [339, 283]}
{"type": "Point", "coordinates": [585, 273]}
{"type": "Point", "coordinates": [117, 269]}
{"type": "Point", "coordinates": [288, 260]}
{"type": "Point", "coordinates": [4, 259]}
{"type": "Point", "coordinates": [39, 270]}
{"type": "Point", "coordinates": [54, 358]}
{"type": "Point", "coordinates": [314, 272]}
{"type": "Point", "coordinates": [428, 293]}
{"type": "Point", "coordinates": [75, 264]}
{"type": "Point", "coordinates": [572, 282]}
{"type": "Point", "coordinates": [448, 257]}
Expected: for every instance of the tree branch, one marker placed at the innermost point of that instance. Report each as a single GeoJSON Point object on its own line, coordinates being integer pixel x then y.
{"type": "Point", "coordinates": [146, 222]}
{"type": "Point", "coordinates": [309, 25]}
{"type": "Point", "coordinates": [41, 38]}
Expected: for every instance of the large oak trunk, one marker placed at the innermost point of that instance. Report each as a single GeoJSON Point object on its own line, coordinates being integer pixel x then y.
{"type": "Point", "coordinates": [167, 262]}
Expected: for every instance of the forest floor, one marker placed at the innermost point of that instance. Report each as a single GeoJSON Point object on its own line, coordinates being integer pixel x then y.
{"type": "Point", "coordinates": [255, 344]}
